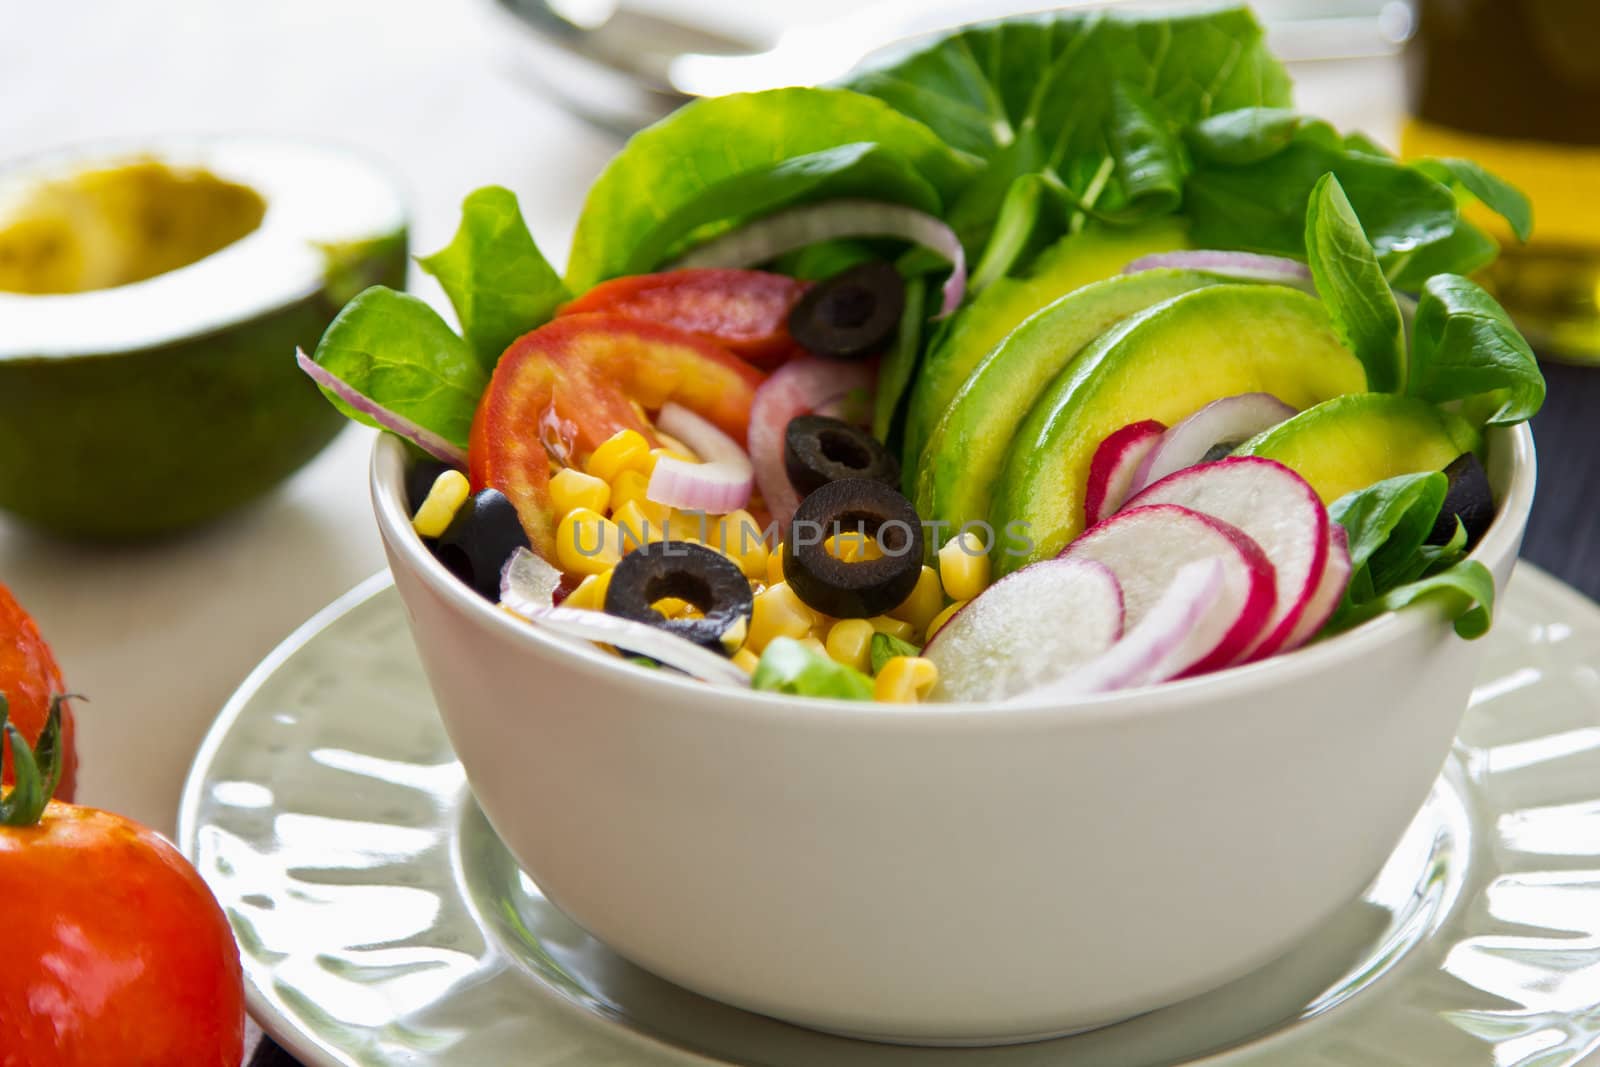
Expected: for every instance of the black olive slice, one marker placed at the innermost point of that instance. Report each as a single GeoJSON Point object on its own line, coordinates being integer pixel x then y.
{"type": "Point", "coordinates": [709, 580]}
{"type": "Point", "coordinates": [818, 450]}
{"type": "Point", "coordinates": [852, 314]}
{"type": "Point", "coordinates": [853, 590]}
{"type": "Point", "coordinates": [1469, 499]}
{"type": "Point", "coordinates": [479, 540]}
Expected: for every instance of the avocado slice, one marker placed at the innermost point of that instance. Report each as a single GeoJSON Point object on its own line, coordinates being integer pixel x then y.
{"type": "Point", "coordinates": [964, 456]}
{"type": "Point", "coordinates": [153, 296]}
{"type": "Point", "coordinates": [1163, 363]}
{"type": "Point", "coordinates": [1071, 263]}
{"type": "Point", "coordinates": [1350, 442]}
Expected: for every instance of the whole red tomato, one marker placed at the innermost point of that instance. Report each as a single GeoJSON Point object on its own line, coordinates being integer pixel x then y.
{"type": "Point", "coordinates": [29, 677]}
{"type": "Point", "coordinates": [115, 952]}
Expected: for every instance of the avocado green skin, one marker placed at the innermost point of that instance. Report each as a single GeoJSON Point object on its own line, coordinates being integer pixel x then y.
{"type": "Point", "coordinates": [1163, 363]}
{"type": "Point", "coordinates": [133, 445]}
{"type": "Point", "coordinates": [964, 457]}
{"type": "Point", "coordinates": [1351, 442]}
{"type": "Point", "coordinates": [1071, 263]}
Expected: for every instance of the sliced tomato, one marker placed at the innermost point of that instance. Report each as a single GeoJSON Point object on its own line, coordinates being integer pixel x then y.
{"type": "Point", "coordinates": [585, 377]}
{"type": "Point", "coordinates": [746, 311]}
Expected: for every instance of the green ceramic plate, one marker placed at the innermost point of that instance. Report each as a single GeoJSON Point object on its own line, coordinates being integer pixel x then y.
{"type": "Point", "coordinates": [382, 923]}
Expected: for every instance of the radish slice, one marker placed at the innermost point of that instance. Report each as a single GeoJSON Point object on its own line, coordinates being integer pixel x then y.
{"type": "Point", "coordinates": [1114, 466]}
{"type": "Point", "coordinates": [635, 637]}
{"type": "Point", "coordinates": [421, 436]}
{"type": "Point", "coordinates": [1247, 266]}
{"type": "Point", "coordinates": [1274, 507]}
{"type": "Point", "coordinates": [1027, 630]}
{"type": "Point", "coordinates": [784, 231]}
{"type": "Point", "coordinates": [528, 582]}
{"type": "Point", "coordinates": [1330, 591]}
{"type": "Point", "coordinates": [1146, 546]}
{"type": "Point", "coordinates": [1228, 421]}
{"type": "Point", "coordinates": [1192, 614]}
{"type": "Point", "coordinates": [798, 387]}
{"type": "Point", "coordinates": [719, 484]}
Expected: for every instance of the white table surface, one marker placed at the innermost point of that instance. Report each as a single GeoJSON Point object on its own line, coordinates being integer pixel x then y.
{"type": "Point", "coordinates": [159, 635]}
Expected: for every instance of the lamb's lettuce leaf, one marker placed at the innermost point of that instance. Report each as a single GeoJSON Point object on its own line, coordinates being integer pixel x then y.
{"type": "Point", "coordinates": [900, 363]}
{"type": "Point", "coordinates": [886, 647]}
{"type": "Point", "coordinates": [787, 666]}
{"type": "Point", "coordinates": [719, 161]}
{"type": "Point", "coordinates": [1392, 565]}
{"type": "Point", "coordinates": [1465, 345]}
{"type": "Point", "coordinates": [396, 350]}
{"type": "Point", "coordinates": [1497, 194]}
{"type": "Point", "coordinates": [1351, 285]}
{"type": "Point", "coordinates": [497, 280]}
{"type": "Point", "coordinates": [1091, 99]}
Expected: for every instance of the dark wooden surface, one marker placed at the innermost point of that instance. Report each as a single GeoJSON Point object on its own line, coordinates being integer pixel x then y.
{"type": "Point", "coordinates": [1563, 535]}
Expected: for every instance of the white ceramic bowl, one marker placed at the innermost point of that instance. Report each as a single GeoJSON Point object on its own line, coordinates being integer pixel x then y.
{"type": "Point", "coordinates": [947, 873]}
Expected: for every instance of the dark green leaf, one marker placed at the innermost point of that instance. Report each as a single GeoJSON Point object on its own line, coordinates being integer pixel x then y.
{"type": "Point", "coordinates": [396, 350]}
{"type": "Point", "coordinates": [493, 273]}
{"type": "Point", "coordinates": [721, 160]}
{"type": "Point", "coordinates": [787, 666]}
{"type": "Point", "coordinates": [1465, 250]}
{"type": "Point", "coordinates": [1361, 144]}
{"type": "Point", "coordinates": [900, 365]}
{"type": "Point", "coordinates": [1401, 509]}
{"type": "Point", "coordinates": [1497, 194]}
{"type": "Point", "coordinates": [1353, 287]}
{"type": "Point", "coordinates": [824, 259]}
{"type": "Point", "coordinates": [1247, 135]}
{"type": "Point", "coordinates": [1149, 163]}
{"type": "Point", "coordinates": [1463, 344]}
{"type": "Point", "coordinates": [1028, 220]}
{"type": "Point", "coordinates": [1465, 590]}
{"type": "Point", "coordinates": [886, 647]}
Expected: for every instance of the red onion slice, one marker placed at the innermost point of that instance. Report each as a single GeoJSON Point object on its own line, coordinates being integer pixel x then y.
{"type": "Point", "coordinates": [799, 387]}
{"type": "Point", "coordinates": [636, 637]}
{"type": "Point", "coordinates": [784, 231]}
{"type": "Point", "coordinates": [1231, 419]}
{"type": "Point", "coordinates": [719, 484]}
{"type": "Point", "coordinates": [528, 582]}
{"type": "Point", "coordinates": [1247, 266]}
{"type": "Point", "coordinates": [421, 436]}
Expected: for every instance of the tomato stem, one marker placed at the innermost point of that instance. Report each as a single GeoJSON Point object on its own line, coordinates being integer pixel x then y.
{"type": "Point", "coordinates": [36, 771]}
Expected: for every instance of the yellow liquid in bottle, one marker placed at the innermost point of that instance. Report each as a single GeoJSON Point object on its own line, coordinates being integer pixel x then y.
{"type": "Point", "coordinates": [1513, 85]}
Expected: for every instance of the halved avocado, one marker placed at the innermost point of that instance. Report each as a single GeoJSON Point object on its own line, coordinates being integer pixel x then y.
{"type": "Point", "coordinates": [1071, 263]}
{"type": "Point", "coordinates": [956, 479]}
{"type": "Point", "coordinates": [1350, 442]}
{"type": "Point", "coordinates": [150, 296]}
{"type": "Point", "coordinates": [1163, 363]}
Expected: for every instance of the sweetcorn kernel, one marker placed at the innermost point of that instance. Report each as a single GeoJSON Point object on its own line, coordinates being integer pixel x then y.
{"type": "Point", "coordinates": [737, 536]}
{"type": "Point", "coordinates": [587, 542]}
{"type": "Point", "coordinates": [623, 450]}
{"type": "Point", "coordinates": [850, 642]}
{"type": "Point", "coordinates": [778, 613]}
{"type": "Point", "coordinates": [632, 487]}
{"type": "Point", "coordinates": [852, 546]}
{"type": "Point", "coordinates": [775, 564]}
{"type": "Point", "coordinates": [925, 601]}
{"type": "Point", "coordinates": [635, 528]}
{"type": "Point", "coordinates": [814, 645]}
{"type": "Point", "coordinates": [688, 526]}
{"type": "Point", "coordinates": [893, 627]}
{"type": "Point", "coordinates": [942, 618]}
{"type": "Point", "coordinates": [964, 566]}
{"type": "Point", "coordinates": [905, 680]}
{"type": "Point", "coordinates": [450, 490]}
{"type": "Point", "coordinates": [571, 489]}
{"type": "Point", "coordinates": [746, 660]}
{"type": "Point", "coordinates": [590, 594]}
{"type": "Point", "coordinates": [667, 452]}
{"type": "Point", "coordinates": [671, 606]}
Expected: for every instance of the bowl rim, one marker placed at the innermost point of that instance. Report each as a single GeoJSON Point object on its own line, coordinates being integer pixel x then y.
{"type": "Point", "coordinates": [387, 480]}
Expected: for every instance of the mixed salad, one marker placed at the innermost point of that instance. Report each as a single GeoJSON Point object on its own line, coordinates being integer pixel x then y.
{"type": "Point", "coordinates": [1056, 356]}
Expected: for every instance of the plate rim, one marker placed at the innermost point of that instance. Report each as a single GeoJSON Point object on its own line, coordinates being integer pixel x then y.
{"type": "Point", "coordinates": [313, 1052]}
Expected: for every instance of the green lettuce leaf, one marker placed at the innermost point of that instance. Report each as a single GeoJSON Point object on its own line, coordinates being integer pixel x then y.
{"type": "Point", "coordinates": [1388, 524]}
{"type": "Point", "coordinates": [719, 161]}
{"type": "Point", "coordinates": [787, 666]}
{"type": "Point", "coordinates": [396, 350]}
{"type": "Point", "coordinates": [886, 647]}
{"type": "Point", "coordinates": [1497, 194]}
{"type": "Point", "coordinates": [1351, 284]}
{"type": "Point", "coordinates": [1463, 344]}
{"type": "Point", "coordinates": [493, 273]}
{"type": "Point", "coordinates": [899, 365]}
